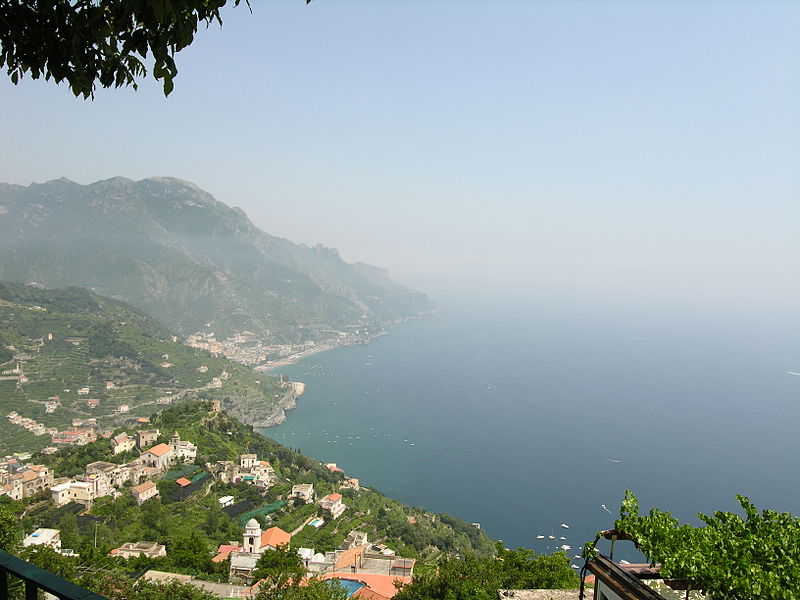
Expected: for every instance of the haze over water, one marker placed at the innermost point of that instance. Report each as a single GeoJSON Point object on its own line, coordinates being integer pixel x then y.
{"type": "Point", "coordinates": [525, 417]}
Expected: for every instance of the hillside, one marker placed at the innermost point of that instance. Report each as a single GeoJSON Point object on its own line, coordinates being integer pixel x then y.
{"type": "Point", "coordinates": [193, 518]}
{"type": "Point", "coordinates": [71, 354]}
{"type": "Point", "coordinates": [172, 250]}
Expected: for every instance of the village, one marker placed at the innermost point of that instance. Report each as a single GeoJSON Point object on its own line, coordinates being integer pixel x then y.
{"type": "Point", "coordinates": [375, 567]}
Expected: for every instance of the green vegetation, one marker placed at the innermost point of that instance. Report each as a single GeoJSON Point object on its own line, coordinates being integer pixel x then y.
{"type": "Point", "coordinates": [479, 578]}
{"type": "Point", "coordinates": [194, 526]}
{"type": "Point", "coordinates": [68, 339]}
{"type": "Point", "coordinates": [172, 250]}
{"type": "Point", "coordinates": [729, 557]}
{"type": "Point", "coordinates": [103, 42]}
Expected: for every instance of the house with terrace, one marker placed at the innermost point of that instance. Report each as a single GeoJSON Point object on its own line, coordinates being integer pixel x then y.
{"type": "Point", "coordinates": [304, 491]}
{"type": "Point", "coordinates": [332, 504]}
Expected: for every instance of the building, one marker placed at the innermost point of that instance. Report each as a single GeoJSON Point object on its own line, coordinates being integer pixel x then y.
{"type": "Point", "coordinates": [43, 537]}
{"type": "Point", "coordinates": [146, 437]}
{"type": "Point", "coordinates": [122, 443]}
{"type": "Point", "coordinates": [255, 542]}
{"type": "Point", "coordinates": [304, 491]}
{"type": "Point", "coordinates": [147, 549]}
{"type": "Point", "coordinates": [22, 481]}
{"type": "Point", "coordinates": [159, 457]}
{"type": "Point", "coordinates": [59, 494]}
{"type": "Point", "coordinates": [74, 437]}
{"type": "Point", "coordinates": [247, 461]}
{"type": "Point", "coordinates": [142, 493]}
{"type": "Point", "coordinates": [82, 492]}
{"type": "Point", "coordinates": [332, 503]}
{"type": "Point", "coordinates": [351, 483]}
{"type": "Point", "coordinates": [181, 450]}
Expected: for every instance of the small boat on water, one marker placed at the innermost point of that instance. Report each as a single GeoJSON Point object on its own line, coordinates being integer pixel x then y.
{"type": "Point", "coordinates": [539, 537]}
{"type": "Point", "coordinates": [565, 526]}
{"type": "Point", "coordinates": [551, 537]}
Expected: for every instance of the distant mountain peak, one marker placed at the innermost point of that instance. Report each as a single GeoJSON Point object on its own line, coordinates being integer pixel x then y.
{"type": "Point", "coordinates": [171, 249]}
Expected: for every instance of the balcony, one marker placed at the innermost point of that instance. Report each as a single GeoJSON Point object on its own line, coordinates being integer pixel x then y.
{"type": "Point", "coordinates": [36, 579]}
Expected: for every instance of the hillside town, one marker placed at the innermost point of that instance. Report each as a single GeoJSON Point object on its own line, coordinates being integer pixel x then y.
{"type": "Point", "coordinates": [374, 565]}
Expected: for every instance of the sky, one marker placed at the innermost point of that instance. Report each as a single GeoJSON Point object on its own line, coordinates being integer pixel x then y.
{"type": "Point", "coordinates": [642, 152]}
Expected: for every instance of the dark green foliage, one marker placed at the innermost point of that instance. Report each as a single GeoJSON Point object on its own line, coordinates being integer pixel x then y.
{"type": "Point", "coordinates": [99, 42]}
{"type": "Point", "coordinates": [730, 557]}
{"type": "Point", "coordinates": [313, 590]}
{"type": "Point", "coordinates": [474, 578]}
{"type": "Point", "coordinates": [119, 587]}
{"type": "Point", "coordinates": [279, 568]}
{"type": "Point", "coordinates": [8, 530]}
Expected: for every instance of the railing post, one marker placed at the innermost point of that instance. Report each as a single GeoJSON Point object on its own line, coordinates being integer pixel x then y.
{"type": "Point", "coordinates": [31, 590]}
{"type": "Point", "coordinates": [3, 583]}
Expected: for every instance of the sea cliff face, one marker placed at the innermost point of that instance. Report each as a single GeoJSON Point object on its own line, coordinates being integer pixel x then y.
{"type": "Point", "coordinates": [259, 414]}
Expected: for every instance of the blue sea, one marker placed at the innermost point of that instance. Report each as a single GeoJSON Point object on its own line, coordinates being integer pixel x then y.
{"type": "Point", "coordinates": [524, 417]}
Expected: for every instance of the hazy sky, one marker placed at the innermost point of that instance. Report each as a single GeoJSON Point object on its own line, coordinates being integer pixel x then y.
{"type": "Point", "coordinates": [644, 151]}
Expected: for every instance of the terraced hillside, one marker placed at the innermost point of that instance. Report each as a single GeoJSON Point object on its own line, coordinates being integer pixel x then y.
{"type": "Point", "coordinates": [70, 354]}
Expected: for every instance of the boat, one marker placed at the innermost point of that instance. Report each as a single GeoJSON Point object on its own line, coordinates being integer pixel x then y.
{"type": "Point", "coordinates": [565, 526]}
{"type": "Point", "coordinates": [539, 537]}
{"type": "Point", "coordinates": [551, 537]}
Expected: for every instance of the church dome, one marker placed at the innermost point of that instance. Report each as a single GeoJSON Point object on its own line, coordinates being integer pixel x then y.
{"type": "Point", "coordinates": [252, 524]}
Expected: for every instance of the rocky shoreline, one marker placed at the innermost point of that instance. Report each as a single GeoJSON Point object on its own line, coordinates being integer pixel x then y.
{"type": "Point", "coordinates": [250, 414]}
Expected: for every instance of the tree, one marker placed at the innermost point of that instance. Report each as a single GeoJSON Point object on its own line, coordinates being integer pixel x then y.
{"type": "Point", "coordinates": [313, 590]}
{"type": "Point", "coordinates": [279, 568]}
{"type": "Point", "coordinates": [192, 552]}
{"type": "Point", "coordinates": [100, 42]}
{"type": "Point", "coordinates": [118, 587]}
{"type": "Point", "coordinates": [730, 557]}
{"type": "Point", "coordinates": [8, 530]}
{"type": "Point", "coordinates": [478, 578]}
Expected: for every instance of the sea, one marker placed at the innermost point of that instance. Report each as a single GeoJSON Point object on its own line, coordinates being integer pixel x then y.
{"type": "Point", "coordinates": [532, 419]}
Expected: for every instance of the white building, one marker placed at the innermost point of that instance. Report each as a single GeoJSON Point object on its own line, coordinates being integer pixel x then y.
{"type": "Point", "coordinates": [44, 537]}
{"type": "Point", "coordinates": [182, 450]}
{"type": "Point", "coordinates": [304, 491]}
{"type": "Point", "coordinates": [333, 504]}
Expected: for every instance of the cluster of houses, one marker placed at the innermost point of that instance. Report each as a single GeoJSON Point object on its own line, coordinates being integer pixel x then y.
{"type": "Point", "coordinates": [31, 425]}
{"type": "Point", "coordinates": [19, 480]}
{"type": "Point", "coordinates": [249, 470]}
{"type": "Point", "coordinates": [77, 435]}
{"type": "Point", "coordinates": [102, 478]}
{"type": "Point", "coordinates": [374, 566]}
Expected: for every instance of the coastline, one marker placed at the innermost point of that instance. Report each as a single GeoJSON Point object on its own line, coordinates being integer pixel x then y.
{"type": "Point", "coordinates": [295, 358]}
{"type": "Point", "coordinates": [288, 401]}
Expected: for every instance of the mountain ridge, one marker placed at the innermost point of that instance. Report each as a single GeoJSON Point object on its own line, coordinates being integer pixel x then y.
{"type": "Point", "coordinates": [171, 249]}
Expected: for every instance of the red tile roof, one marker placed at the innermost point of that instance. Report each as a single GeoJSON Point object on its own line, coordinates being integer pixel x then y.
{"type": "Point", "coordinates": [382, 584]}
{"type": "Point", "coordinates": [144, 487]}
{"type": "Point", "coordinates": [159, 450]}
{"type": "Point", "coordinates": [275, 536]}
{"type": "Point", "coordinates": [223, 551]}
{"type": "Point", "coordinates": [333, 497]}
{"type": "Point", "coordinates": [183, 482]}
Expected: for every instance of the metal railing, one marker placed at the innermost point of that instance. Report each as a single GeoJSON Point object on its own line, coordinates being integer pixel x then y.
{"type": "Point", "coordinates": [36, 578]}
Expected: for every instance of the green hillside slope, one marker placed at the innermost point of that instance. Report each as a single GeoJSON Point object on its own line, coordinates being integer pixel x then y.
{"type": "Point", "coordinates": [71, 354]}
{"type": "Point", "coordinates": [195, 519]}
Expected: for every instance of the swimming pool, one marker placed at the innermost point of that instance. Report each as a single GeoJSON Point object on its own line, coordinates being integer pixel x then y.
{"type": "Point", "coordinates": [351, 585]}
{"type": "Point", "coordinates": [316, 523]}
